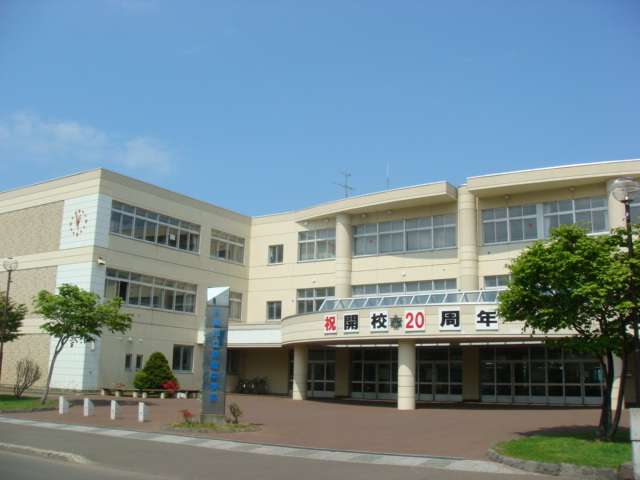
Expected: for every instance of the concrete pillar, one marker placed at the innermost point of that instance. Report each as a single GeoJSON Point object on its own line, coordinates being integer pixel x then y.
{"type": "Point", "coordinates": [88, 408]}
{"type": "Point", "coordinates": [344, 256]}
{"type": "Point", "coordinates": [471, 372]}
{"type": "Point", "coordinates": [116, 411]}
{"type": "Point", "coordinates": [63, 405]}
{"type": "Point", "coordinates": [407, 374]}
{"type": "Point", "coordinates": [143, 412]}
{"type": "Point", "coordinates": [467, 240]}
{"type": "Point", "coordinates": [300, 366]}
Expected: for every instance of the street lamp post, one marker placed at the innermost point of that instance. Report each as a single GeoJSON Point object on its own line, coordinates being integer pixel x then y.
{"type": "Point", "coordinates": [9, 264]}
{"type": "Point", "coordinates": [626, 190]}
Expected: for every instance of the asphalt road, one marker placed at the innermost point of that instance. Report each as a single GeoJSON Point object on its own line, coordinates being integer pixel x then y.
{"type": "Point", "coordinates": [115, 458]}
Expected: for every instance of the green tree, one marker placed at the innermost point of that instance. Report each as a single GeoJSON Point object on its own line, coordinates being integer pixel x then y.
{"type": "Point", "coordinates": [156, 371]}
{"type": "Point", "coordinates": [578, 284]}
{"type": "Point", "coordinates": [76, 315]}
{"type": "Point", "coordinates": [16, 312]}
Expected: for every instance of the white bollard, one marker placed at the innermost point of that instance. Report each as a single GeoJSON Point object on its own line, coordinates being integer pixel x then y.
{"type": "Point", "coordinates": [143, 412]}
{"type": "Point", "coordinates": [116, 411]}
{"type": "Point", "coordinates": [88, 408]}
{"type": "Point", "coordinates": [63, 405]}
{"type": "Point", "coordinates": [634, 420]}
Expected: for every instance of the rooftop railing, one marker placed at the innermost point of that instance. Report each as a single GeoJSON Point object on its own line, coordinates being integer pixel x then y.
{"type": "Point", "coordinates": [436, 298]}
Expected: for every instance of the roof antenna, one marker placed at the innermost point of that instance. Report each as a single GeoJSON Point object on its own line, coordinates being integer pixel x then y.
{"type": "Point", "coordinates": [345, 185]}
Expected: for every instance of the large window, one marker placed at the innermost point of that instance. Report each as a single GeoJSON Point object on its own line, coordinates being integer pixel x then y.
{"type": "Point", "coordinates": [589, 213]}
{"type": "Point", "coordinates": [310, 299]}
{"type": "Point", "coordinates": [399, 236]}
{"type": "Point", "coordinates": [402, 288]}
{"type": "Point", "coordinates": [493, 282]}
{"type": "Point", "coordinates": [150, 292]}
{"type": "Point", "coordinates": [510, 224]}
{"type": "Point", "coordinates": [317, 245]}
{"type": "Point", "coordinates": [153, 227]}
{"type": "Point", "coordinates": [274, 311]}
{"type": "Point", "coordinates": [533, 222]}
{"type": "Point", "coordinates": [182, 358]}
{"type": "Point", "coordinates": [226, 246]}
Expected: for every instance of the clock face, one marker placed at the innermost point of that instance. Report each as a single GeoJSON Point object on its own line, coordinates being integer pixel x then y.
{"type": "Point", "coordinates": [78, 222]}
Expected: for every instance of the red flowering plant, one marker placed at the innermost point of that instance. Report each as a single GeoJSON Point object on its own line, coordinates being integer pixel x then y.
{"type": "Point", "coordinates": [187, 417]}
{"type": "Point", "coordinates": [172, 386]}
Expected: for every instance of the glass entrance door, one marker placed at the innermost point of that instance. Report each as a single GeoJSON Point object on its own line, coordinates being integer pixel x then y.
{"type": "Point", "coordinates": [321, 373]}
{"type": "Point", "coordinates": [439, 375]}
{"type": "Point", "coordinates": [374, 374]}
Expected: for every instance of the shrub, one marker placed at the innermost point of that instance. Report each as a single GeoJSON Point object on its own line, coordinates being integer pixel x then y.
{"type": "Point", "coordinates": [236, 411]}
{"type": "Point", "coordinates": [27, 373]}
{"type": "Point", "coordinates": [155, 373]}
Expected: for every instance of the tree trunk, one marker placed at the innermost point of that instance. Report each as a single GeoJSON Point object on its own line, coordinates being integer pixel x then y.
{"type": "Point", "coordinates": [59, 347]}
{"type": "Point", "coordinates": [605, 411]}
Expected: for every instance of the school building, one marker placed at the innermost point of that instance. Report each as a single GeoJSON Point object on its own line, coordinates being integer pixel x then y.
{"type": "Point", "coordinates": [389, 295]}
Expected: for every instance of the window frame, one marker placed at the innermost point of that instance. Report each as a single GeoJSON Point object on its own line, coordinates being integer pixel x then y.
{"type": "Point", "coordinates": [151, 292]}
{"type": "Point", "coordinates": [276, 254]}
{"type": "Point", "coordinates": [499, 224]}
{"type": "Point", "coordinates": [181, 350]}
{"type": "Point", "coordinates": [151, 227]}
{"type": "Point", "coordinates": [274, 311]}
{"type": "Point", "coordinates": [437, 232]}
{"type": "Point", "coordinates": [227, 247]}
{"type": "Point", "coordinates": [315, 245]}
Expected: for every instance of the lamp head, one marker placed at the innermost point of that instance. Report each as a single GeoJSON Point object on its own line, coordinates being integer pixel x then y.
{"type": "Point", "coordinates": [10, 264]}
{"type": "Point", "coordinates": [625, 189]}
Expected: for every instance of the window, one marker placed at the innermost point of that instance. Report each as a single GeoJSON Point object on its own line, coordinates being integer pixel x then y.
{"type": "Point", "coordinates": [416, 234]}
{"type": "Point", "coordinates": [317, 245]}
{"type": "Point", "coordinates": [127, 362]}
{"type": "Point", "coordinates": [153, 227]}
{"type": "Point", "coordinates": [310, 299]}
{"type": "Point", "coordinates": [533, 222]}
{"type": "Point", "coordinates": [226, 246]}
{"type": "Point", "coordinates": [150, 292]}
{"type": "Point", "coordinates": [274, 311]}
{"type": "Point", "coordinates": [182, 358]}
{"type": "Point", "coordinates": [407, 288]}
{"type": "Point", "coordinates": [139, 362]}
{"type": "Point", "coordinates": [276, 253]}
{"type": "Point", "coordinates": [510, 224]}
{"type": "Point", "coordinates": [235, 306]}
{"type": "Point", "coordinates": [588, 213]}
{"type": "Point", "coordinates": [495, 281]}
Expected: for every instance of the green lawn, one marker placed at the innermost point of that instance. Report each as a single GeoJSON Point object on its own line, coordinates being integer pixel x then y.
{"type": "Point", "coordinates": [9, 402]}
{"type": "Point", "coordinates": [574, 449]}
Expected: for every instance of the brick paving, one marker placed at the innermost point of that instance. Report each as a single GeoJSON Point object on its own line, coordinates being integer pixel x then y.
{"type": "Point", "coordinates": [450, 430]}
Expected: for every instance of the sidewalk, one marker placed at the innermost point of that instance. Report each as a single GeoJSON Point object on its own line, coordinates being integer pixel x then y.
{"type": "Point", "coordinates": [462, 431]}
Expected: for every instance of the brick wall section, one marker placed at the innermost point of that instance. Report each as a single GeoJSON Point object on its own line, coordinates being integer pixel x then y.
{"type": "Point", "coordinates": [34, 230]}
{"type": "Point", "coordinates": [35, 347]}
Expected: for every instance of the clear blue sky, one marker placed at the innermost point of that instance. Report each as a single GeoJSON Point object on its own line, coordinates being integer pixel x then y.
{"type": "Point", "coordinates": [257, 106]}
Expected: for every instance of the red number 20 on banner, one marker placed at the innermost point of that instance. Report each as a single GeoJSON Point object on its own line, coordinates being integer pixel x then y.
{"type": "Point", "coordinates": [414, 321]}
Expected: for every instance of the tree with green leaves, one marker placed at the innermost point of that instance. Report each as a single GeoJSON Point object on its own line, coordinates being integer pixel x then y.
{"type": "Point", "coordinates": [16, 312]}
{"type": "Point", "coordinates": [76, 315]}
{"type": "Point", "coordinates": [578, 284]}
{"type": "Point", "coordinates": [155, 373]}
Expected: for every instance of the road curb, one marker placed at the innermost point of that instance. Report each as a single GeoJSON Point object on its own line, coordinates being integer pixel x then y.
{"type": "Point", "coordinates": [67, 457]}
{"type": "Point", "coordinates": [557, 469]}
